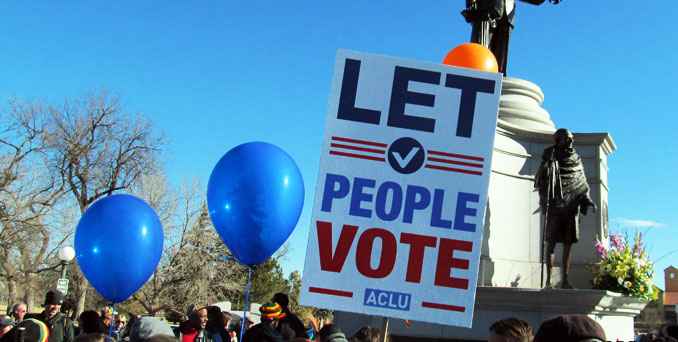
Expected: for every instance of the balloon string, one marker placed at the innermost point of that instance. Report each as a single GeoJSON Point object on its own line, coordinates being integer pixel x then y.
{"type": "Point", "coordinates": [247, 302]}
{"type": "Point", "coordinates": [110, 325]}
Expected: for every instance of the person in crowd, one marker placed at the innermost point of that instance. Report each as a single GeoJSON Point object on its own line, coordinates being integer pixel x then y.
{"type": "Point", "coordinates": [237, 326]}
{"type": "Point", "coordinates": [6, 324]}
{"type": "Point", "coordinates": [331, 333]}
{"type": "Point", "coordinates": [511, 330]}
{"type": "Point", "coordinates": [288, 320]}
{"type": "Point", "coordinates": [90, 323]}
{"type": "Point", "coordinates": [59, 325]}
{"type": "Point", "coordinates": [570, 328]}
{"type": "Point", "coordinates": [366, 334]}
{"type": "Point", "coordinates": [124, 334]}
{"type": "Point", "coordinates": [69, 308]}
{"type": "Point", "coordinates": [120, 324]}
{"type": "Point", "coordinates": [312, 326]}
{"type": "Point", "coordinates": [195, 328]}
{"type": "Point", "coordinates": [19, 311]}
{"type": "Point", "coordinates": [106, 315]}
{"type": "Point", "coordinates": [28, 330]}
{"type": "Point", "coordinates": [266, 330]}
{"type": "Point", "coordinates": [216, 325]}
{"type": "Point", "coordinates": [229, 327]}
{"type": "Point", "coordinates": [150, 328]}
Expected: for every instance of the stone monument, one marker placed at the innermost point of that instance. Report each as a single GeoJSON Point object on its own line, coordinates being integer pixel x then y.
{"type": "Point", "coordinates": [509, 276]}
{"type": "Point", "coordinates": [511, 271]}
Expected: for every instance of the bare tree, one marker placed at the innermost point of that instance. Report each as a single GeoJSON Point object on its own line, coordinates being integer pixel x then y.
{"type": "Point", "coordinates": [27, 196]}
{"type": "Point", "coordinates": [195, 267]}
{"type": "Point", "coordinates": [96, 149]}
{"type": "Point", "coordinates": [175, 210]}
{"type": "Point", "coordinates": [87, 149]}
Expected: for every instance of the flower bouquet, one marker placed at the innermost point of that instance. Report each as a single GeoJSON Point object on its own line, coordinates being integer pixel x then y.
{"type": "Point", "coordinates": [624, 268]}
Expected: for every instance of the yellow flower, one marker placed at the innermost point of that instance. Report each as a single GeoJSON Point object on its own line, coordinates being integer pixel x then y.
{"type": "Point", "coordinates": [627, 284]}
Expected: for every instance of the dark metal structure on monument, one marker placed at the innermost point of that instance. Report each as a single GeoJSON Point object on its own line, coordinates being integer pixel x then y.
{"type": "Point", "coordinates": [492, 22]}
{"type": "Point", "coordinates": [563, 194]}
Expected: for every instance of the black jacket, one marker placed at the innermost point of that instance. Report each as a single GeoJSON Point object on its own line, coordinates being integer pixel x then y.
{"type": "Point", "coordinates": [262, 332]}
{"type": "Point", "coordinates": [60, 327]}
{"type": "Point", "coordinates": [292, 322]}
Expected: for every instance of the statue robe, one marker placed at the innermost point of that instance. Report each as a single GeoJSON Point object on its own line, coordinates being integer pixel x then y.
{"type": "Point", "coordinates": [563, 189]}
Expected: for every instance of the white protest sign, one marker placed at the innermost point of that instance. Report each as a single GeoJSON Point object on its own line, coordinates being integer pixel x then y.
{"type": "Point", "coordinates": [397, 222]}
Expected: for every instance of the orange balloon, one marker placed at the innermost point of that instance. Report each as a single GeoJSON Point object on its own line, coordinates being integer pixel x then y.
{"type": "Point", "coordinates": [473, 56]}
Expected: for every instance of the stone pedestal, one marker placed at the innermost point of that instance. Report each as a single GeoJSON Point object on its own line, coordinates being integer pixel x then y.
{"type": "Point", "coordinates": [513, 222]}
{"type": "Point", "coordinates": [612, 311]}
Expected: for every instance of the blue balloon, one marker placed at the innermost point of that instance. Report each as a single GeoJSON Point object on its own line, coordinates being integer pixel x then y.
{"type": "Point", "coordinates": [118, 244]}
{"type": "Point", "coordinates": [255, 195]}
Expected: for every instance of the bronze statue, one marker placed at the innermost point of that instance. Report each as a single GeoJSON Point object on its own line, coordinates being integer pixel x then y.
{"type": "Point", "coordinates": [563, 194]}
{"type": "Point", "coordinates": [492, 22]}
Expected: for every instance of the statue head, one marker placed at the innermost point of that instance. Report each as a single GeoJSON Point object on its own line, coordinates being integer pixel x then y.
{"type": "Point", "coordinates": [563, 138]}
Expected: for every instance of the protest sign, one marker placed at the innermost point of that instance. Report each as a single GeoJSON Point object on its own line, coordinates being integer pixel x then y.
{"type": "Point", "coordinates": [397, 223]}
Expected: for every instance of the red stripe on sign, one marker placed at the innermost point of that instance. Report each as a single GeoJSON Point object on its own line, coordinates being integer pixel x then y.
{"type": "Point", "coordinates": [455, 155]}
{"type": "Point", "coordinates": [364, 149]}
{"type": "Point", "coordinates": [451, 169]}
{"type": "Point", "coordinates": [455, 162]}
{"type": "Point", "coordinates": [443, 306]}
{"type": "Point", "coordinates": [356, 141]}
{"type": "Point", "coordinates": [353, 155]}
{"type": "Point", "coordinates": [330, 292]}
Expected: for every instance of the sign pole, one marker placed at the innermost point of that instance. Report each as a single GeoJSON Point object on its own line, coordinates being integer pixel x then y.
{"type": "Point", "coordinates": [384, 330]}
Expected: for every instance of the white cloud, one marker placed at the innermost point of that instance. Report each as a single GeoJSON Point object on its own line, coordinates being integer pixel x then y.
{"type": "Point", "coordinates": [635, 223]}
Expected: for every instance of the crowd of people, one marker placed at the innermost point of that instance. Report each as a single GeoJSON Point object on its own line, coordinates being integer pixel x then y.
{"type": "Point", "coordinates": [204, 324]}
{"type": "Point", "coordinates": [277, 324]}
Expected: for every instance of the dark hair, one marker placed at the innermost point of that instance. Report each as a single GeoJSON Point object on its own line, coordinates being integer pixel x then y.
{"type": "Point", "coordinates": [194, 319]}
{"type": "Point", "coordinates": [513, 328]}
{"type": "Point", "coordinates": [570, 328]}
{"type": "Point", "coordinates": [90, 322]}
{"type": "Point", "coordinates": [215, 320]}
{"type": "Point", "coordinates": [16, 306]}
{"type": "Point", "coordinates": [281, 299]}
{"type": "Point", "coordinates": [366, 334]}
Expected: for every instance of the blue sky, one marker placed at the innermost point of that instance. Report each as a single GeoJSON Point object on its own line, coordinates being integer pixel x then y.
{"type": "Point", "coordinates": [214, 74]}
